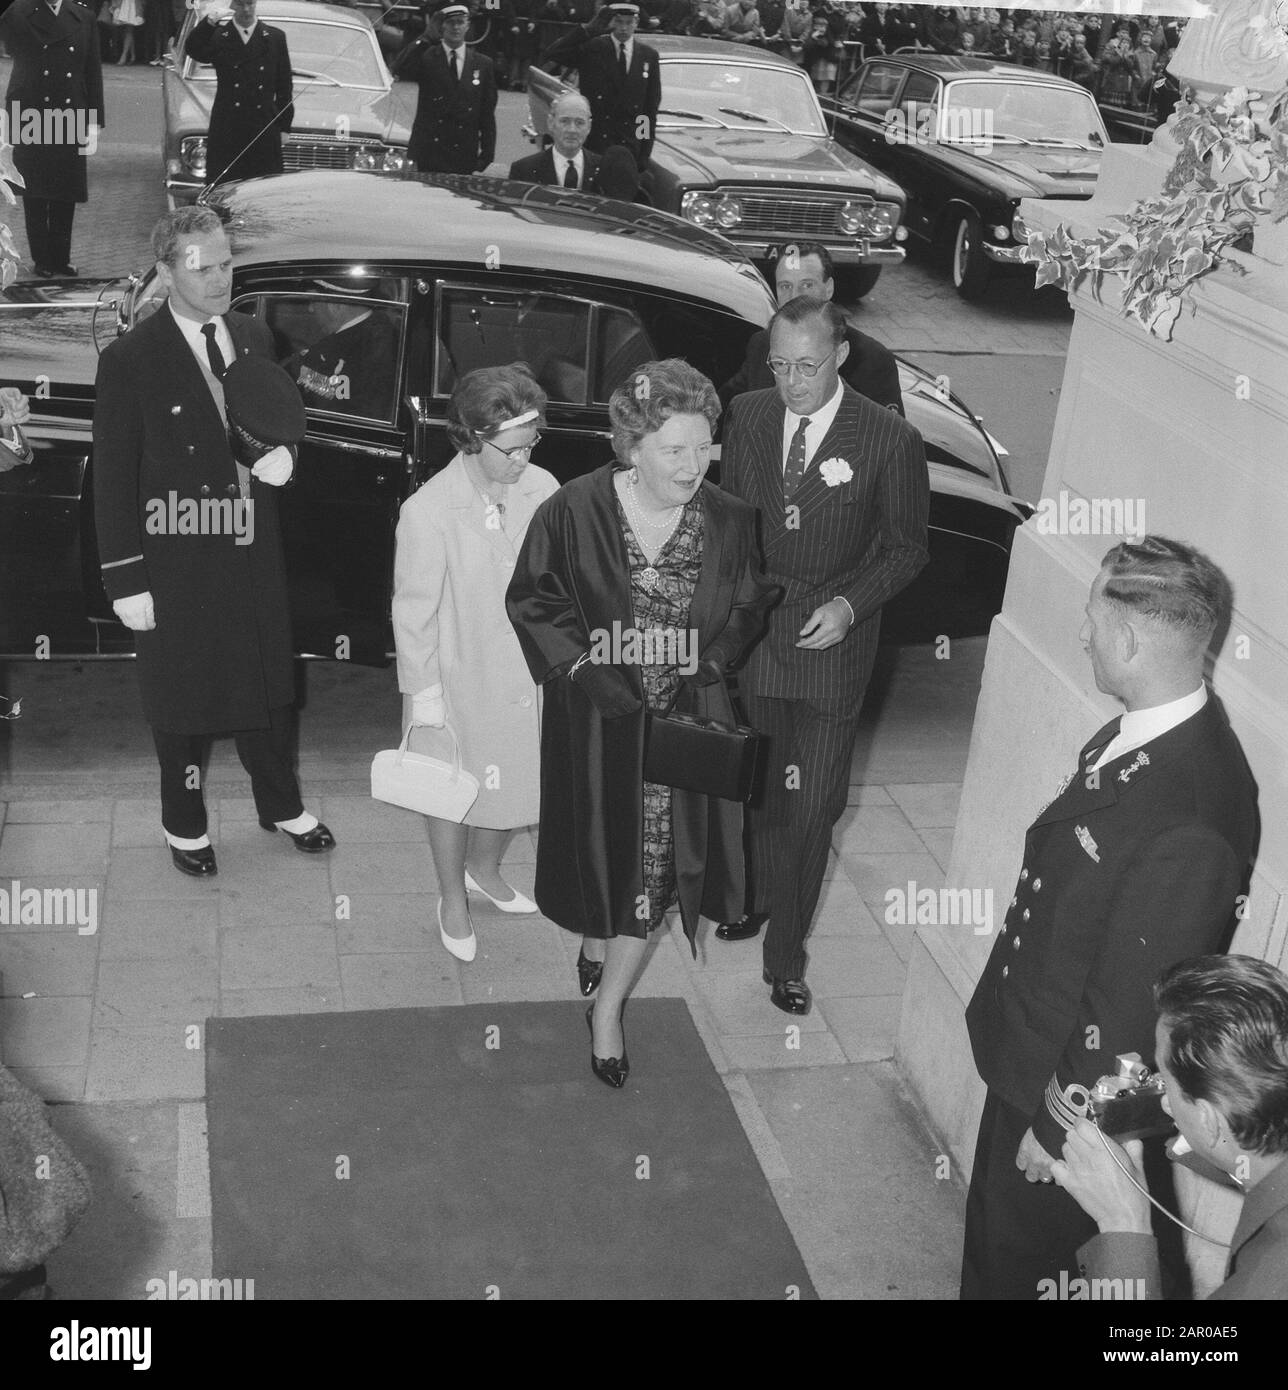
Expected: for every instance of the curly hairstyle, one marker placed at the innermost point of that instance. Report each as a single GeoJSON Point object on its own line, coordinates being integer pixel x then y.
{"type": "Point", "coordinates": [486, 397]}
{"type": "Point", "coordinates": [653, 392]}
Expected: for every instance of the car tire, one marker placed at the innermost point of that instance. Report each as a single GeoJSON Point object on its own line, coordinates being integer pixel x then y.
{"type": "Point", "coordinates": [970, 267]}
{"type": "Point", "coordinates": [858, 281]}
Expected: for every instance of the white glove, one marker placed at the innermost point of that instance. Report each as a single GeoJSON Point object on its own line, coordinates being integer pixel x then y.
{"type": "Point", "coordinates": [275, 468]}
{"type": "Point", "coordinates": [136, 611]}
{"type": "Point", "coordinates": [15, 409]}
{"type": "Point", "coordinates": [429, 708]}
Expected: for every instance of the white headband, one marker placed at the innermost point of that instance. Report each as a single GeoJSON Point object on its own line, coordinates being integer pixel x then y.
{"type": "Point", "coordinates": [518, 420]}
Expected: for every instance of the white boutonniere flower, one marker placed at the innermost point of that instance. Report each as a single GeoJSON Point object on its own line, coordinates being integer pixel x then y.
{"type": "Point", "coordinates": [835, 472]}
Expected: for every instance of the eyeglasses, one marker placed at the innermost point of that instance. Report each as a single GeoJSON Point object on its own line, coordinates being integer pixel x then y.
{"type": "Point", "coordinates": [521, 452]}
{"type": "Point", "coordinates": [781, 367]}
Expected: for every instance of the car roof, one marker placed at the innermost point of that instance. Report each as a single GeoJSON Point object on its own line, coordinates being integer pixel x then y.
{"type": "Point", "coordinates": [948, 66]}
{"type": "Point", "coordinates": [681, 46]}
{"type": "Point", "coordinates": [269, 10]}
{"type": "Point", "coordinates": [325, 215]}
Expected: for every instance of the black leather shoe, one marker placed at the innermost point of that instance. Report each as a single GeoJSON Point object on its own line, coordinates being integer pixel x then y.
{"type": "Point", "coordinates": [311, 841]}
{"type": "Point", "coordinates": [589, 973]}
{"type": "Point", "coordinates": [792, 996]}
{"type": "Point", "coordinates": [612, 1071]}
{"type": "Point", "coordinates": [200, 863]}
{"type": "Point", "coordinates": [69, 271]}
{"type": "Point", "coordinates": [747, 926]}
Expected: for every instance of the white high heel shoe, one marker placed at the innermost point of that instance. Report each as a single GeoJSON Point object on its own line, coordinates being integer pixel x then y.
{"type": "Point", "coordinates": [463, 948]}
{"type": "Point", "coordinates": [518, 903]}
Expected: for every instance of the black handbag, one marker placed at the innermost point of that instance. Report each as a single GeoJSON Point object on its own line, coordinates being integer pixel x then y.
{"type": "Point", "coordinates": [701, 755]}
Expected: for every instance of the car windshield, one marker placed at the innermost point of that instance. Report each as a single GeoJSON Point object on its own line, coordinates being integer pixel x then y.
{"type": "Point", "coordinates": [341, 55]}
{"type": "Point", "coordinates": [1026, 113]}
{"type": "Point", "coordinates": [742, 96]}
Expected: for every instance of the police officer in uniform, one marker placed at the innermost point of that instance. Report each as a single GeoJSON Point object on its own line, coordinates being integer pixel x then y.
{"type": "Point", "coordinates": [56, 69]}
{"type": "Point", "coordinates": [618, 75]}
{"type": "Point", "coordinates": [253, 105]}
{"type": "Point", "coordinates": [454, 131]}
{"type": "Point", "coordinates": [1136, 864]}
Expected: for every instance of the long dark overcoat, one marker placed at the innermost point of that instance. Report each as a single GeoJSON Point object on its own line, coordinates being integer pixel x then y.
{"type": "Point", "coordinates": [572, 579]}
{"type": "Point", "coordinates": [253, 105]}
{"type": "Point", "coordinates": [454, 129]}
{"type": "Point", "coordinates": [220, 656]}
{"type": "Point", "coordinates": [56, 67]}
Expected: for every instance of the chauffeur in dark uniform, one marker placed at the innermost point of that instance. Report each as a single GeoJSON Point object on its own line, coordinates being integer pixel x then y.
{"type": "Point", "coordinates": [56, 68]}
{"type": "Point", "coordinates": [566, 163]}
{"type": "Point", "coordinates": [253, 105]}
{"type": "Point", "coordinates": [209, 609]}
{"type": "Point", "coordinates": [618, 75]}
{"type": "Point", "coordinates": [454, 131]}
{"type": "Point", "coordinates": [1136, 864]}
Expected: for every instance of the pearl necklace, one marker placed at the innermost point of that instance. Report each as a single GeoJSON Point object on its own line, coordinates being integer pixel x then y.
{"type": "Point", "coordinates": [649, 576]}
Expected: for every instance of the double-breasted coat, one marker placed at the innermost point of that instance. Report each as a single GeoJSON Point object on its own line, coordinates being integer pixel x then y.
{"type": "Point", "coordinates": [572, 582]}
{"type": "Point", "coordinates": [220, 656]}
{"type": "Point", "coordinates": [454, 129]}
{"type": "Point", "coordinates": [253, 99]}
{"type": "Point", "coordinates": [1128, 870]}
{"type": "Point", "coordinates": [56, 69]}
{"type": "Point", "coordinates": [622, 112]}
{"type": "Point", "coordinates": [451, 571]}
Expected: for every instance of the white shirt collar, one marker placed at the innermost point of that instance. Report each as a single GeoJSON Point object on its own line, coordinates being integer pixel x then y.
{"type": "Point", "coordinates": [460, 56]}
{"type": "Point", "coordinates": [578, 162]}
{"type": "Point", "coordinates": [55, 6]}
{"type": "Point", "coordinates": [196, 339]}
{"type": "Point", "coordinates": [628, 46]}
{"type": "Point", "coordinates": [816, 430]}
{"type": "Point", "coordinates": [1141, 726]}
{"type": "Point", "coordinates": [246, 33]}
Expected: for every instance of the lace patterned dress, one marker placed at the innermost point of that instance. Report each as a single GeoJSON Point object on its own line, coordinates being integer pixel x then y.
{"type": "Point", "coordinates": [663, 604]}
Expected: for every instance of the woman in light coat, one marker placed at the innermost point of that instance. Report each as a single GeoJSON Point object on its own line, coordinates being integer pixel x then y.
{"type": "Point", "coordinates": [459, 661]}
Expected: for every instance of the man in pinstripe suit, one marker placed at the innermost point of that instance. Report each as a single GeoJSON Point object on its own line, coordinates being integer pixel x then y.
{"type": "Point", "coordinates": [843, 493]}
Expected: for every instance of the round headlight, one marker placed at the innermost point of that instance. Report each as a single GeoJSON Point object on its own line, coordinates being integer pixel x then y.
{"type": "Point", "coordinates": [728, 212]}
{"type": "Point", "coordinates": [395, 161]}
{"type": "Point", "coordinates": [193, 153]}
{"type": "Point", "coordinates": [1000, 232]}
{"type": "Point", "coordinates": [1019, 228]}
{"type": "Point", "coordinates": [851, 218]}
{"type": "Point", "coordinates": [699, 208]}
{"type": "Point", "coordinates": [366, 159]}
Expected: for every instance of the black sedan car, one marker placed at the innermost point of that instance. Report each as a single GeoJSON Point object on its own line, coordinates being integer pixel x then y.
{"type": "Point", "coordinates": [966, 139]}
{"type": "Point", "coordinates": [449, 273]}
{"type": "Point", "coordinates": [742, 148]}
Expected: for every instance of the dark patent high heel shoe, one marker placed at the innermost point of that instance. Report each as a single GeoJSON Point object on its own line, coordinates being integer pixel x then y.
{"type": "Point", "coordinates": [612, 1071]}
{"type": "Point", "coordinates": [589, 973]}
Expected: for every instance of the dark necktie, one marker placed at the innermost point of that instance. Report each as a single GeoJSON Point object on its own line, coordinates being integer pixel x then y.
{"type": "Point", "coordinates": [213, 355]}
{"type": "Point", "coordinates": [621, 60]}
{"type": "Point", "coordinates": [570, 175]}
{"type": "Point", "coordinates": [795, 469]}
{"type": "Point", "coordinates": [456, 71]}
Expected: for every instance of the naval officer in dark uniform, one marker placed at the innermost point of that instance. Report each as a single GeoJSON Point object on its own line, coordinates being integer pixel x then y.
{"type": "Point", "coordinates": [57, 77]}
{"type": "Point", "coordinates": [1136, 864]}
{"type": "Point", "coordinates": [454, 131]}
{"type": "Point", "coordinates": [253, 105]}
{"type": "Point", "coordinates": [618, 75]}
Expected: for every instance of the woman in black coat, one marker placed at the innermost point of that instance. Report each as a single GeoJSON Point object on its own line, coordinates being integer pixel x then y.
{"type": "Point", "coordinates": [642, 547]}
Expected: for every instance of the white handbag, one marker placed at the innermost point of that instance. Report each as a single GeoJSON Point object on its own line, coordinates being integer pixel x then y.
{"type": "Point", "coordinates": [421, 783]}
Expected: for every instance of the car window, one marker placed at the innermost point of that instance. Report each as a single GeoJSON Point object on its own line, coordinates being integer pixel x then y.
{"type": "Point", "coordinates": [743, 96]}
{"type": "Point", "coordinates": [492, 328]}
{"type": "Point", "coordinates": [621, 345]}
{"type": "Point", "coordinates": [1032, 112]}
{"type": "Point", "coordinates": [322, 54]}
{"type": "Point", "coordinates": [876, 88]}
{"type": "Point", "coordinates": [917, 102]}
{"type": "Point", "coordinates": [342, 351]}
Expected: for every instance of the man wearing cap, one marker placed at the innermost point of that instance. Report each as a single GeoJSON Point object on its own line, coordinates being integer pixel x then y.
{"type": "Point", "coordinates": [253, 105]}
{"type": "Point", "coordinates": [566, 163]}
{"type": "Point", "coordinates": [208, 608]}
{"type": "Point", "coordinates": [454, 131]}
{"type": "Point", "coordinates": [620, 77]}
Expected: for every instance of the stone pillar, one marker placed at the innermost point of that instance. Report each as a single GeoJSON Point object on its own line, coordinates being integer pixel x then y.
{"type": "Point", "coordinates": [1196, 431]}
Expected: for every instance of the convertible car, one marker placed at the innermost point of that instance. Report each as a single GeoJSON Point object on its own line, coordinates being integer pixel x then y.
{"type": "Point", "coordinates": [349, 111]}
{"type": "Point", "coordinates": [580, 287]}
{"type": "Point", "coordinates": [742, 148]}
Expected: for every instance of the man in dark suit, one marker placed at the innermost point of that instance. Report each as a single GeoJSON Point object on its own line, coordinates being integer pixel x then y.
{"type": "Point", "coordinates": [253, 105]}
{"type": "Point", "coordinates": [1136, 864]}
{"type": "Point", "coordinates": [843, 493]}
{"type": "Point", "coordinates": [566, 163]}
{"type": "Point", "coordinates": [209, 608]}
{"type": "Point", "coordinates": [1221, 1044]}
{"type": "Point", "coordinates": [454, 130]}
{"type": "Point", "coordinates": [620, 77]}
{"type": "Point", "coordinates": [54, 107]}
{"type": "Point", "coordinates": [869, 367]}
{"type": "Point", "coordinates": [352, 367]}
